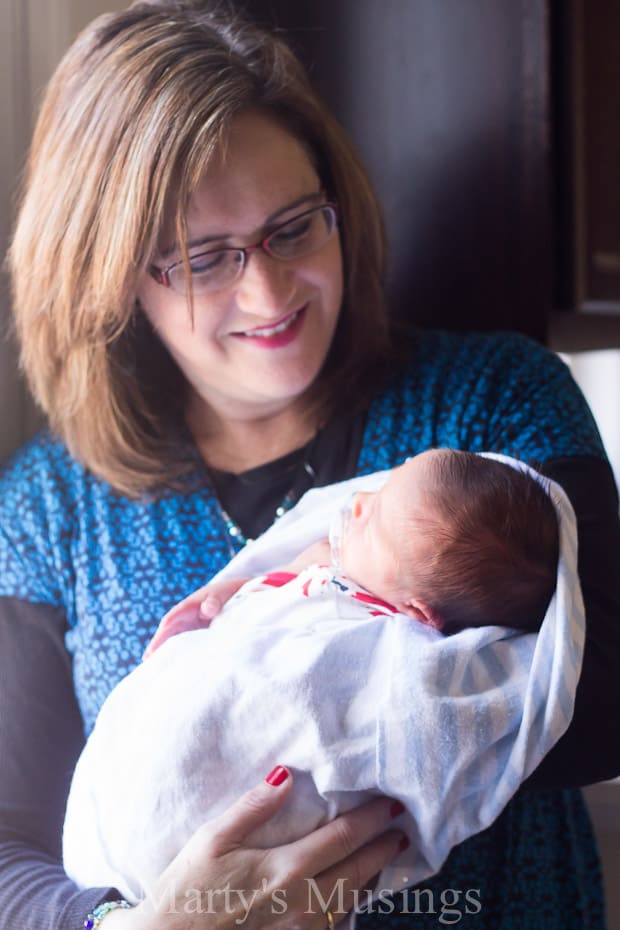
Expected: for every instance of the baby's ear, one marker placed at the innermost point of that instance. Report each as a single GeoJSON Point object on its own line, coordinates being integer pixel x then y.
{"type": "Point", "coordinates": [420, 611]}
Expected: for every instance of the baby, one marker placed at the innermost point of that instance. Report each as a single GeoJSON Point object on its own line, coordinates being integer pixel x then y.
{"type": "Point", "coordinates": [452, 539]}
{"type": "Point", "coordinates": [321, 670]}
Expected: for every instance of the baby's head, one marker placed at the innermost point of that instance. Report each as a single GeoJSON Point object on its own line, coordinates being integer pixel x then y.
{"type": "Point", "coordinates": [456, 540]}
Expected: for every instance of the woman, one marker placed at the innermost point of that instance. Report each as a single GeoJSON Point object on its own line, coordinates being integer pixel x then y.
{"type": "Point", "coordinates": [197, 270]}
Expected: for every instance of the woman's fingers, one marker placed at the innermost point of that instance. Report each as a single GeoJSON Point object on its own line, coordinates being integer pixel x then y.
{"type": "Point", "coordinates": [338, 840]}
{"type": "Point", "coordinates": [332, 866]}
{"type": "Point", "coordinates": [287, 886]}
{"type": "Point", "coordinates": [252, 810]}
{"type": "Point", "coordinates": [348, 853]}
{"type": "Point", "coordinates": [359, 841]}
{"type": "Point", "coordinates": [336, 888]}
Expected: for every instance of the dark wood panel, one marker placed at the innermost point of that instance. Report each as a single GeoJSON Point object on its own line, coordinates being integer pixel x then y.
{"type": "Point", "coordinates": [448, 102]}
{"type": "Point", "coordinates": [599, 130]}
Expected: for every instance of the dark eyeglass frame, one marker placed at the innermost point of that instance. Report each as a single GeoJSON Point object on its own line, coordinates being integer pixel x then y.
{"type": "Point", "coordinates": [162, 275]}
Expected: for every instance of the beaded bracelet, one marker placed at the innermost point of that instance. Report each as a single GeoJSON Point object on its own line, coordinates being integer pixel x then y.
{"type": "Point", "coordinates": [93, 920]}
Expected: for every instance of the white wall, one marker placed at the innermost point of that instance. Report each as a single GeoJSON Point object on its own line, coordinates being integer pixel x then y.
{"type": "Point", "coordinates": [598, 374]}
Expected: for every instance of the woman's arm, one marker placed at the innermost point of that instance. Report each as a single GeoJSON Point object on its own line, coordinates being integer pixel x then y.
{"type": "Point", "coordinates": [282, 887]}
{"type": "Point", "coordinates": [589, 751]}
{"type": "Point", "coordinates": [40, 739]}
{"type": "Point", "coordinates": [536, 412]}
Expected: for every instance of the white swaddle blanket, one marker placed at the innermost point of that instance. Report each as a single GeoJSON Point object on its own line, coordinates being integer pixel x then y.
{"type": "Point", "coordinates": [355, 701]}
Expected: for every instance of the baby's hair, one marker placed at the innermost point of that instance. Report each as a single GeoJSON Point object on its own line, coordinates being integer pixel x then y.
{"type": "Point", "coordinates": [495, 544]}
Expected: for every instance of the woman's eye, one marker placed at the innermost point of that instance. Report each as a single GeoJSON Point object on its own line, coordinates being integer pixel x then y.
{"type": "Point", "coordinates": [202, 264]}
{"type": "Point", "coordinates": [296, 229]}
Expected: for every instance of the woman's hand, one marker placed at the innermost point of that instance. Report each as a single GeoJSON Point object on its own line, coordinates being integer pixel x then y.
{"type": "Point", "coordinates": [194, 612]}
{"type": "Point", "coordinates": [218, 880]}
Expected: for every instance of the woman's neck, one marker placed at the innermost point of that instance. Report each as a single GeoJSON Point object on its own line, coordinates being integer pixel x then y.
{"type": "Point", "coordinates": [238, 444]}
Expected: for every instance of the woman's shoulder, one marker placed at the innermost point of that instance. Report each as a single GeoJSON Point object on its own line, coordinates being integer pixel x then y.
{"type": "Point", "coordinates": [499, 391]}
{"type": "Point", "coordinates": [43, 490]}
{"type": "Point", "coordinates": [42, 467]}
{"type": "Point", "coordinates": [42, 448]}
{"type": "Point", "coordinates": [455, 364]}
{"type": "Point", "coordinates": [446, 366]}
{"type": "Point", "coordinates": [488, 351]}
{"type": "Point", "coordinates": [39, 485]}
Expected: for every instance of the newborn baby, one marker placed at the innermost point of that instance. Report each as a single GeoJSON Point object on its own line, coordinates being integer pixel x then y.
{"type": "Point", "coordinates": [341, 684]}
{"type": "Point", "coordinates": [452, 539]}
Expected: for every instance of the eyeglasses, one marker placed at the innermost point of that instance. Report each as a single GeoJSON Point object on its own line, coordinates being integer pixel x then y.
{"type": "Point", "coordinates": [302, 235]}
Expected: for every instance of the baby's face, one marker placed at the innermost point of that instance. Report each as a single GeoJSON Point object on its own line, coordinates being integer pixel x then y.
{"type": "Point", "coordinates": [380, 539]}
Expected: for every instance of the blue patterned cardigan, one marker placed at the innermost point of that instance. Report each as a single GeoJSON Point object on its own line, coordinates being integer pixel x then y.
{"type": "Point", "coordinates": [115, 566]}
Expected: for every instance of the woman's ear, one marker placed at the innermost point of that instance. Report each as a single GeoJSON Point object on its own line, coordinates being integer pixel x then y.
{"type": "Point", "coordinates": [421, 612]}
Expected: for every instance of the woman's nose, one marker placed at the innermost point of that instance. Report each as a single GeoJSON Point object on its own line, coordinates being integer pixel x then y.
{"type": "Point", "coordinates": [266, 286]}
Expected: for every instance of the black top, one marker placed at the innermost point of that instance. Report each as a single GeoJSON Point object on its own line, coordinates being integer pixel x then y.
{"type": "Point", "coordinates": [251, 498]}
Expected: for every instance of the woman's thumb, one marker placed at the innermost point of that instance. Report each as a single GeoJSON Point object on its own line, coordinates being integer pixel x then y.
{"type": "Point", "coordinates": [254, 808]}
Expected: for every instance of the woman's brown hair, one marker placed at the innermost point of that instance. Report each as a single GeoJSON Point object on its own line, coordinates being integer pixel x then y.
{"type": "Point", "coordinates": [132, 116]}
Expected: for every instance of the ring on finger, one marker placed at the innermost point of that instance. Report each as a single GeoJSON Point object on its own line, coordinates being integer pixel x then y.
{"type": "Point", "coordinates": [330, 920]}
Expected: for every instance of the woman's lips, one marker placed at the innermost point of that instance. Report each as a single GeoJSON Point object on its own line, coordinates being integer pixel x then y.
{"type": "Point", "coordinates": [279, 334]}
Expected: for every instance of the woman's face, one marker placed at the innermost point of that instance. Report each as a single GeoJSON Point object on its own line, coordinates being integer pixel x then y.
{"type": "Point", "coordinates": [258, 344]}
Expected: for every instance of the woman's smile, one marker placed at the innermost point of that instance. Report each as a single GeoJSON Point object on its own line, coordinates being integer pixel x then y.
{"type": "Point", "coordinates": [280, 334]}
{"type": "Point", "coordinates": [256, 346]}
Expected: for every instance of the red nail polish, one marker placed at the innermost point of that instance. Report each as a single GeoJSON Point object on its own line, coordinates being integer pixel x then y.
{"type": "Point", "coordinates": [396, 809]}
{"type": "Point", "coordinates": [404, 844]}
{"type": "Point", "coordinates": [277, 776]}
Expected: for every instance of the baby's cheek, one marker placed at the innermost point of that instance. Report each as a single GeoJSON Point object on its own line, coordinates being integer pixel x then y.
{"type": "Point", "coordinates": [347, 557]}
